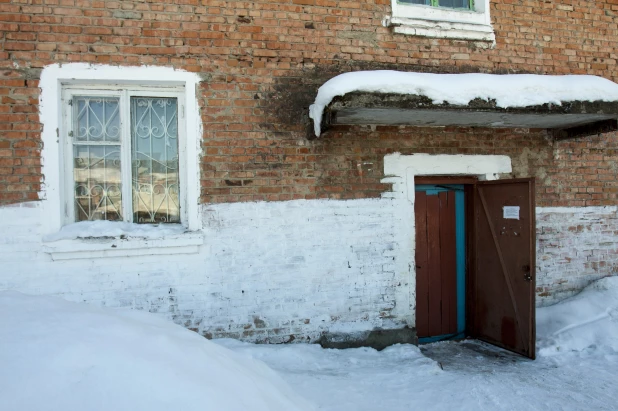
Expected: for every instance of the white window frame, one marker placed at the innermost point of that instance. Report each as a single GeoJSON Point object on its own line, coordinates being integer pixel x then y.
{"type": "Point", "coordinates": [55, 78]}
{"type": "Point", "coordinates": [442, 22]}
{"type": "Point", "coordinates": [124, 94]}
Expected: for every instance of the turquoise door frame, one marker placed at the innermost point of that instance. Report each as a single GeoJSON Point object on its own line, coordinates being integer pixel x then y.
{"type": "Point", "coordinates": [460, 250]}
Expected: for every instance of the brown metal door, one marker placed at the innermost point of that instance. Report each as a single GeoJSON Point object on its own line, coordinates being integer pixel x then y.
{"type": "Point", "coordinates": [436, 270]}
{"type": "Point", "coordinates": [503, 280]}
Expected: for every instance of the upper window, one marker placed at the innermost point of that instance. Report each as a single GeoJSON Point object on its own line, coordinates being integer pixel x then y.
{"type": "Point", "coordinates": [121, 154]}
{"type": "Point", "coordinates": [454, 4]}
{"type": "Point", "coordinates": [456, 19]}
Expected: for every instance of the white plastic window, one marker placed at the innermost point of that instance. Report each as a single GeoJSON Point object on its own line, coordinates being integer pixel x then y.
{"type": "Point", "coordinates": [121, 154]}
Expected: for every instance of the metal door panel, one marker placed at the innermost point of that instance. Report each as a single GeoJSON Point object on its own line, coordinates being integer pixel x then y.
{"type": "Point", "coordinates": [504, 273]}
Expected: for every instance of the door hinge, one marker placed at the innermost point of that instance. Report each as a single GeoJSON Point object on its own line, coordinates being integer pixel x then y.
{"type": "Point", "coordinates": [183, 111]}
{"type": "Point", "coordinates": [70, 102]}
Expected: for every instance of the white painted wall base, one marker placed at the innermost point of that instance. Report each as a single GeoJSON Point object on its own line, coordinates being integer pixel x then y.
{"type": "Point", "coordinates": [269, 271]}
{"type": "Point", "coordinates": [575, 246]}
{"type": "Point", "coordinates": [266, 271]}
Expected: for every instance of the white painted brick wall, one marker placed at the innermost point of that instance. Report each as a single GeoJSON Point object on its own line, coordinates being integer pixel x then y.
{"type": "Point", "coordinates": [575, 246]}
{"type": "Point", "coordinates": [267, 271]}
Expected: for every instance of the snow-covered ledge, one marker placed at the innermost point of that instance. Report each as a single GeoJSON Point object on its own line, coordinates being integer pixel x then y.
{"type": "Point", "coordinates": [452, 91]}
{"type": "Point", "coordinates": [97, 239]}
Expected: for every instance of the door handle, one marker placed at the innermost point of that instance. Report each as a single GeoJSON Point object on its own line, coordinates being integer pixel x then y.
{"type": "Point", "coordinates": [526, 269]}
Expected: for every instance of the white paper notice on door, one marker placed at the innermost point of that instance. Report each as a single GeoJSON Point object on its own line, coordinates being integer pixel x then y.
{"type": "Point", "coordinates": [510, 212]}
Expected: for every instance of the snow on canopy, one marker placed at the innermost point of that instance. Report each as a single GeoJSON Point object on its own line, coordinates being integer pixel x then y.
{"type": "Point", "coordinates": [58, 355]}
{"type": "Point", "coordinates": [508, 90]}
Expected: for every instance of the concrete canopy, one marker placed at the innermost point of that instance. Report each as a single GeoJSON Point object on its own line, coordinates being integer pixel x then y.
{"type": "Point", "coordinates": [567, 105]}
{"type": "Point", "coordinates": [571, 119]}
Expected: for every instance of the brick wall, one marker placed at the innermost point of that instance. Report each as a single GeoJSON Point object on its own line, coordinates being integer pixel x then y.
{"type": "Point", "coordinates": [20, 137]}
{"type": "Point", "coordinates": [262, 62]}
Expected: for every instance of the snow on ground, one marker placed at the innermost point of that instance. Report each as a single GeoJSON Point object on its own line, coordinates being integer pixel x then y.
{"type": "Point", "coordinates": [575, 368]}
{"type": "Point", "coordinates": [508, 90]}
{"type": "Point", "coordinates": [587, 322]}
{"type": "Point", "coordinates": [66, 356]}
{"type": "Point", "coordinates": [57, 355]}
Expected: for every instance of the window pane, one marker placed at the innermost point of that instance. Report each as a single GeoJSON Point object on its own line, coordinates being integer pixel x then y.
{"type": "Point", "coordinates": [97, 118]}
{"type": "Point", "coordinates": [458, 4]}
{"type": "Point", "coordinates": [154, 141]}
{"type": "Point", "coordinates": [97, 182]}
{"type": "Point", "coordinates": [427, 2]}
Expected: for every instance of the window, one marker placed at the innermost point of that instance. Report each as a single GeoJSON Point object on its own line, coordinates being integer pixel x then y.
{"type": "Point", "coordinates": [456, 19]}
{"type": "Point", "coordinates": [121, 144]}
{"type": "Point", "coordinates": [454, 4]}
{"type": "Point", "coordinates": [121, 154]}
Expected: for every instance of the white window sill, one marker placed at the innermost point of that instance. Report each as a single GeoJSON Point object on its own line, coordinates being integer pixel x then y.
{"type": "Point", "coordinates": [120, 240]}
{"type": "Point", "coordinates": [441, 29]}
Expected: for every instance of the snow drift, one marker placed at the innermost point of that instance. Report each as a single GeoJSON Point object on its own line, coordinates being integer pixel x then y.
{"type": "Point", "coordinates": [587, 322]}
{"type": "Point", "coordinates": [508, 90]}
{"type": "Point", "coordinates": [58, 355]}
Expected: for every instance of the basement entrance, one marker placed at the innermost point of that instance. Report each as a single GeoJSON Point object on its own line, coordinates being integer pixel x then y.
{"type": "Point", "coordinates": [475, 254]}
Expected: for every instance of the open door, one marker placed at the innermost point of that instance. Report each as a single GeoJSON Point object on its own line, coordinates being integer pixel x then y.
{"type": "Point", "coordinates": [502, 280]}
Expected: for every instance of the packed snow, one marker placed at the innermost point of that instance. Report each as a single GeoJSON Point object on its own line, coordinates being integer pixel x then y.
{"type": "Point", "coordinates": [508, 90]}
{"type": "Point", "coordinates": [574, 370]}
{"type": "Point", "coordinates": [587, 322]}
{"type": "Point", "coordinates": [102, 228]}
{"type": "Point", "coordinates": [57, 355]}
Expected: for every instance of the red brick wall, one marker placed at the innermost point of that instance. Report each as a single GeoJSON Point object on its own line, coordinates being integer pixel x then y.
{"type": "Point", "coordinates": [262, 62]}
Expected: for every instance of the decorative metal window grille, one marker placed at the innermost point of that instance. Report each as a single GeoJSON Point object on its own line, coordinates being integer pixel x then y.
{"type": "Point", "coordinates": [103, 144]}
{"type": "Point", "coordinates": [154, 153]}
{"type": "Point", "coordinates": [453, 4]}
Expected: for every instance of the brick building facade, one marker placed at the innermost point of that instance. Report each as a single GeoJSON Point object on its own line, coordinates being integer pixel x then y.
{"type": "Point", "coordinates": [264, 183]}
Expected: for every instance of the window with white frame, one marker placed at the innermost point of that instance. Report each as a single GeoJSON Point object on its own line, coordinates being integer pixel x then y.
{"type": "Point", "coordinates": [121, 153]}
{"type": "Point", "coordinates": [453, 4]}
{"type": "Point", "coordinates": [456, 19]}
